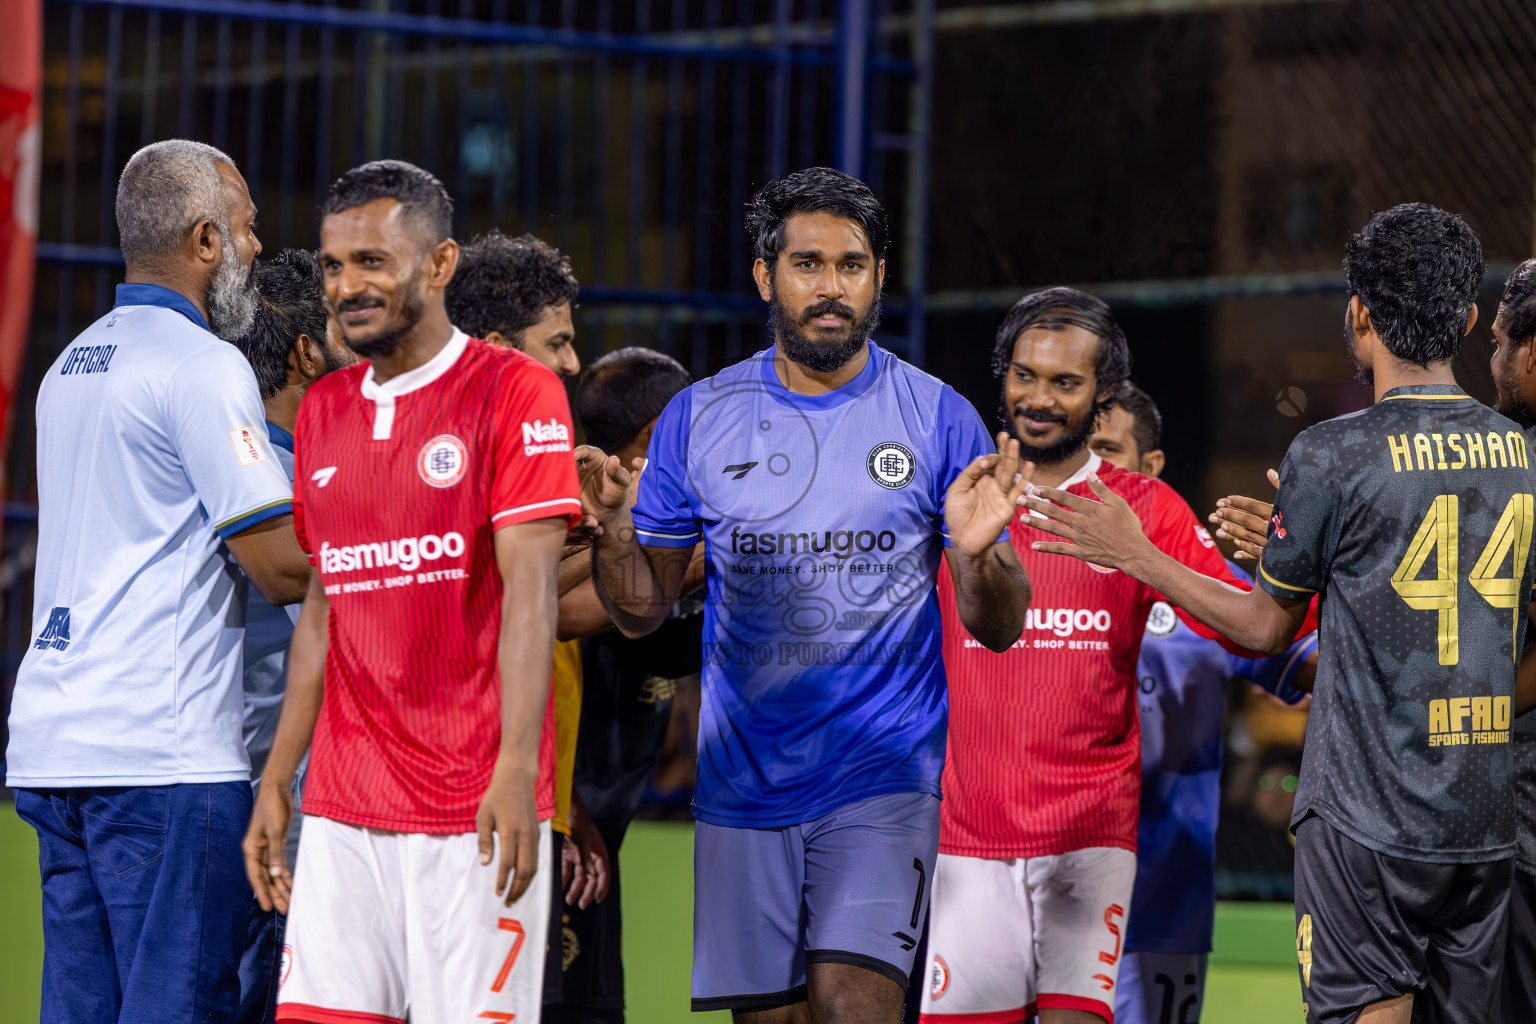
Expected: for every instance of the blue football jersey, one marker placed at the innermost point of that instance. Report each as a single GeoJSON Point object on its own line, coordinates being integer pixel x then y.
{"type": "Point", "coordinates": [1182, 682]}
{"type": "Point", "coordinates": [822, 523]}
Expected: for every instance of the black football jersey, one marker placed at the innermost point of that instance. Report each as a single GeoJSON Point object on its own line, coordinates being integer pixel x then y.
{"type": "Point", "coordinates": [1413, 518]}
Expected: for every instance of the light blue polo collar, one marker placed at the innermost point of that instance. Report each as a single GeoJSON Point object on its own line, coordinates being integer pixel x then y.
{"type": "Point", "coordinates": [159, 295]}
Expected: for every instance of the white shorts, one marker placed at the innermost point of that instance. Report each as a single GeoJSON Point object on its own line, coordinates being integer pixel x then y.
{"type": "Point", "coordinates": [1009, 937]}
{"type": "Point", "coordinates": [385, 923]}
{"type": "Point", "coordinates": [1161, 988]}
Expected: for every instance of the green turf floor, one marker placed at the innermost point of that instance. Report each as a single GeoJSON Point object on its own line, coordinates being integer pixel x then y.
{"type": "Point", "coordinates": [1252, 978]}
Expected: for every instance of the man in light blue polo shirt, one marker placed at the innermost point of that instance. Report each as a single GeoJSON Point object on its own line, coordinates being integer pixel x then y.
{"type": "Point", "coordinates": [154, 468]}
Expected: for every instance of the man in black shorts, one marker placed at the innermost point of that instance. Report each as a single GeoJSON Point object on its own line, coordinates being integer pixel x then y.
{"type": "Point", "coordinates": [1414, 519]}
{"type": "Point", "coordinates": [626, 700]}
{"type": "Point", "coordinates": [1514, 374]}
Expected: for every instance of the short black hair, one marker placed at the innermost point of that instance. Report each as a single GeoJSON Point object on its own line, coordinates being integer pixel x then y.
{"type": "Point", "coordinates": [1147, 421]}
{"type": "Point", "coordinates": [1417, 269]}
{"type": "Point", "coordinates": [623, 391]}
{"type": "Point", "coordinates": [426, 201]}
{"type": "Point", "coordinates": [1517, 309]}
{"type": "Point", "coordinates": [290, 301]}
{"type": "Point", "coordinates": [505, 285]}
{"type": "Point", "coordinates": [813, 190]}
{"type": "Point", "coordinates": [1060, 307]}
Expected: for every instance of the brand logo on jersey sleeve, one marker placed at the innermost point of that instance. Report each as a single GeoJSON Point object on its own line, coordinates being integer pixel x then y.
{"type": "Point", "coordinates": [891, 465]}
{"type": "Point", "coordinates": [248, 447]}
{"type": "Point", "coordinates": [56, 633]}
{"type": "Point", "coordinates": [1162, 621]}
{"type": "Point", "coordinates": [1204, 536]}
{"type": "Point", "coordinates": [321, 477]}
{"type": "Point", "coordinates": [541, 437]}
{"type": "Point", "coordinates": [442, 461]}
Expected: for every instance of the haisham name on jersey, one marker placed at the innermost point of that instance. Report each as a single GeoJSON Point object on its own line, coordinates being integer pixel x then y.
{"type": "Point", "coordinates": [540, 438]}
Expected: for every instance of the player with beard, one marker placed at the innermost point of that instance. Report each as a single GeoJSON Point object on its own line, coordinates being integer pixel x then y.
{"type": "Point", "coordinates": [1038, 853]}
{"type": "Point", "coordinates": [1405, 828]}
{"type": "Point", "coordinates": [434, 489]}
{"type": "Point", "coordinates": [824, 476]}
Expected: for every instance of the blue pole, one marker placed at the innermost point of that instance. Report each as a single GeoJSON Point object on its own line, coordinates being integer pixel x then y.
{"type": "Point", "coordinates": [852, 68]}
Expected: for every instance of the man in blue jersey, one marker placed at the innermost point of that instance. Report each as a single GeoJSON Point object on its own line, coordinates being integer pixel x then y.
{"type": "Point", "coordinates": [157, 487]}
{"type": "Point", "coordinates": [1182, 678]}
{"type": "Point", "coordinates": [825, 477]}
{"type": "Point", "coordinates": [293, 342]}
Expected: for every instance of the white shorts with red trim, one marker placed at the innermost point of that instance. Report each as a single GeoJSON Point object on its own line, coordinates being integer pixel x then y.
{"type": "Point", "coordinates": [385, 923]}
{"type": "Point", "coordinates": [1007, 938]}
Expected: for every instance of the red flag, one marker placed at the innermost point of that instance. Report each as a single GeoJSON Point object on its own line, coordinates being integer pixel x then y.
{"type": "Point", "coordinates": [21, 86]}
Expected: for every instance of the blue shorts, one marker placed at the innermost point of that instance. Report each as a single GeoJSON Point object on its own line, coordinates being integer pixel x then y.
{"type": "Point", "coordinates": [850, 887]}
{"type": "Point", "coordinates": [1160, 988]}
{"type": "Point", "coordinates": [145, 901]}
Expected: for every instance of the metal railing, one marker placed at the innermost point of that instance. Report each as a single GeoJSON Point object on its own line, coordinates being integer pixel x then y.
{"type": "Point", "coordinates": [630, 133]}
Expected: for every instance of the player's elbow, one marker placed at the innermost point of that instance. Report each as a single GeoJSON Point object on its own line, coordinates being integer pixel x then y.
{"type": "Point", "coordinates": [278, 587]}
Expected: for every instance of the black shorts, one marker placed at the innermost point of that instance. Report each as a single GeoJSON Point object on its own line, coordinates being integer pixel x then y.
{"type": "Point", "coordinates": [1371, 927]}
{"type": "Point", "coordinates": [554, 982]}
{"type": "Point", "coordinates": [594, 975]}
{"type": "Point", "coordinates": [1519, 989]}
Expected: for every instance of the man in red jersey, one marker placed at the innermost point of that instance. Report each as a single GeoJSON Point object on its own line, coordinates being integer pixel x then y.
{"type": "Point", "coordinates": [436, 485]}
{"type": "Point", "coordinates": [1042, 784]}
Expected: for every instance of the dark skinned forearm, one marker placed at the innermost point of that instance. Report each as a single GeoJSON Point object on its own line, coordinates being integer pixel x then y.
{"type": "Point", "coordinates": [1251, 619]}
{"type": "Point", "coordinates": [992, 593]}
{"type": "Point", "coordinates": [627, 582]}
{"type": "Point", "coordinates": [304, 690]}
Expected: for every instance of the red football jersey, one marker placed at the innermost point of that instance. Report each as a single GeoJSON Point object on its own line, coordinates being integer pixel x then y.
{"type": "Point", "coordinates": [398, 489]}
{"type": "Point", "coordinates": [1045, 739]}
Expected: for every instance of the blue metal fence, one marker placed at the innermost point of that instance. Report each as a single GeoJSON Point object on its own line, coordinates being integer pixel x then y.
{"type": "Point", "coordinates": [630, 133]}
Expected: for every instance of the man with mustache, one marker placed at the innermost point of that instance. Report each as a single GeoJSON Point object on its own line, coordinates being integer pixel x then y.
{"type": "Point", "coordinates": [1404, 820]}
{"type": "Point", "coordinates": [434, 489]}
{"type": "Point", "coordinates": [154, 468]}
{"type": "Point", "coordinates": [824, 477]}
{"type": "Point", "coordinates": [1041, 791]}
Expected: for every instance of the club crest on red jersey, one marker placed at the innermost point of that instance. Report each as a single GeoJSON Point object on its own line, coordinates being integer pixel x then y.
{"type": "Point", "coordinates": [443, 461]}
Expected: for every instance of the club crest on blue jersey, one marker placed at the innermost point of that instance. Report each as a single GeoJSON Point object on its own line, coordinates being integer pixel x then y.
{"type": "Point", "coordinates": [891, 465]}
{"type": "Point", "coordinates": [56, 633]}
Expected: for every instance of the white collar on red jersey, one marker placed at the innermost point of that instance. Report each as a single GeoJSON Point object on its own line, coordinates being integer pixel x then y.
{"type": "Point", "coordinates": [1081, 476]}
{"type": "Point", "coordinates": [383, 395]}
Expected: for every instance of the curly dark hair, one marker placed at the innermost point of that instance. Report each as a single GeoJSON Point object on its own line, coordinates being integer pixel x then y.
{"type": "Point", "coordinates": [1147, 420]}
{"type": "Point", "coordinates": [290, 301]}
{"type": "Point", "coordinates": [1060, 307]}
{"type": "Point", "coordinates": [1517, 309]}
{"type": "Point", "coordinates": [813, 190]}
{"type": "Point", "coordinates": [427, 203]}
{"type": "Point", "coordinates": [505, 285]}
{"type": "Point", "coordinates": [623, 391]}
{"type": "Point", "coordinates": [1417, 269]}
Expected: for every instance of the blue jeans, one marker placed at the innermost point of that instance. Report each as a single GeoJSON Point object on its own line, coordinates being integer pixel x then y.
{"type": "Point", "coordinates": [145, 901]}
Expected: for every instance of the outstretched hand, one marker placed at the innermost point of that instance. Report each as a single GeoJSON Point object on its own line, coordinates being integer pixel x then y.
{"type": "Point", "coordinates": [1105, 532]}
{"type": "Point", "coordinates": [605, 483]}
{"type": "Point", "coordinates": [983, 499]}
{"type": "Point", "coordinates": [1245, 521]}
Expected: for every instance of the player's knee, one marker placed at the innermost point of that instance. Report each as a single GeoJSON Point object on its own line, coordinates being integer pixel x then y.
{"type": "Point", "coordinates": [844, 994]}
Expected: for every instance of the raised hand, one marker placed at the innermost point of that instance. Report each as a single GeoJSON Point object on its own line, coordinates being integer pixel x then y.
{"type": "Point", "coordinates": [605, 484]}
{"type": "Point", "coordinates": [1105, 532]}
{"type": "Point", "coordinates": [983, 499]}
{"type": "Point", "coordinates": [1245, 521]}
